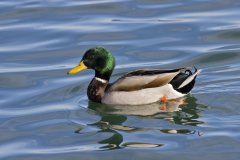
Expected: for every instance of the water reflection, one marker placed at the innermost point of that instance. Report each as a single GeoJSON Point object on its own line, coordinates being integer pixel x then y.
{"type": "Point", "coordinates": [185, 113]}
{"type": "Point", "coordinates": [138, 110]}
{"type": "Point", "coordinates": [189, 114]}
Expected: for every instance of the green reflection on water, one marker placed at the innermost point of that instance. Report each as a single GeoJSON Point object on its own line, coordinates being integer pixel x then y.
{"type": "Point", "coordinates": [113, 117]}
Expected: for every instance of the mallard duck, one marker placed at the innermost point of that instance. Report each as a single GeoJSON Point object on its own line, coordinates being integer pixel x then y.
{"type": "Point", "coordinates": [134, 88]}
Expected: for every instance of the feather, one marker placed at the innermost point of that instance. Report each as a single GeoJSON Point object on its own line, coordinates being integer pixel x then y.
{"type": "Point", "coordinates": [189, 79]}
{"type": "Point", "coordinates": [144, 96]}
{"type": "Point", "coordinates": [142, 79]}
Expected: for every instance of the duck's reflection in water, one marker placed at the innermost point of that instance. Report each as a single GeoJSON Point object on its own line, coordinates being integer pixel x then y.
{"type": "Point", "coordinates": [184, 111]}
{"type": "Point", "coordinates": [137, 110]}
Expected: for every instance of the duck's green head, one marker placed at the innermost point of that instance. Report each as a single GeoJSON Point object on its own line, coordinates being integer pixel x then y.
{"type": "Point", "coordinates": [98, 59]}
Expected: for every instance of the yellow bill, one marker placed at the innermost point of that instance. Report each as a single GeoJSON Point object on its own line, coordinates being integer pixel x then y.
{"type": "Point", "coordinates": [78, 68]}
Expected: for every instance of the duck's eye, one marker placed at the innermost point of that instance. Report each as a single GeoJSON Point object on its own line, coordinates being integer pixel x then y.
{"type": "Point", "coordinates": [91, 57]}
{"type": "Point", "coordinates": [87, 63]}
{"type": "Point", "coordinates": [100, 62]}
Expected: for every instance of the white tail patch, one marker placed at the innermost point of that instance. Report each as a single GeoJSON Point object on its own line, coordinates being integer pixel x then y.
{"type": "Point", "coordinates": [189, 79]}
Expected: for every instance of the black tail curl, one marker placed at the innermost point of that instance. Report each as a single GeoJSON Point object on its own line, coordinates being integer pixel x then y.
{"type": "Point", "coordinates": [180, 78]}
{"type": "Point", "coordinates": [189, 72]}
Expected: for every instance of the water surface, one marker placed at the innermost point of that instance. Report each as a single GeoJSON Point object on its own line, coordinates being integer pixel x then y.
{"type": "Point", "coordinates": [46, 114]}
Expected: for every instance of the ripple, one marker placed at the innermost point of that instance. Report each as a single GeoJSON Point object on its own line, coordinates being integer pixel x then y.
{"type": "Point", "coordinates": [130, 42]}
{"type": "Point", "coordinates": [15, 67]}
{"type": "Point", "coordinates": [141, 145]}
{"type": "Point", "coordinates": [34, 110]}
{"type": "Point", "coordinates": [98, 25]}
{"type": "Point", "coordinates": [30, 147]}
{"type": "Point", "coordinates": [159, 6]}
{"type": "Point", "coordinates": [24, 47]}
{"type": "Point", "coordinates": [217, 57]}
{"type": "Point", "coordinates": [94, 2]}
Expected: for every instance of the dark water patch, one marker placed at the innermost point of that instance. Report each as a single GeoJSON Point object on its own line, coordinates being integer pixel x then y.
{"type": "Point", "coordinates": [222, 57]}
{"type": "Point", "coordinates": [234, 34]}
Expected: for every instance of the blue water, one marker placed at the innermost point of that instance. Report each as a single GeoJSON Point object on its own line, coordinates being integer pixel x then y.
{"type": "Point", "coordinates": [44, 113]}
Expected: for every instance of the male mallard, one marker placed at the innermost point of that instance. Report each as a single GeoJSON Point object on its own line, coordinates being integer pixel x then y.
{"type": "Point", "coordinates": [134, 88]}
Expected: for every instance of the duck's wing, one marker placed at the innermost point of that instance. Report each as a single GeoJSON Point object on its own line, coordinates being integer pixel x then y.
{"type": "Point", "coordinates": [142, 79]}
